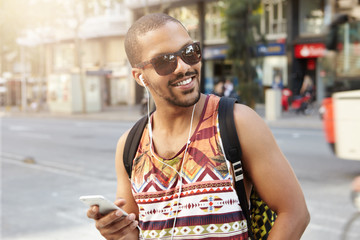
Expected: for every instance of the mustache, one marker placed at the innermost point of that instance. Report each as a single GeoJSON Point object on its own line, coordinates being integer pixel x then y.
{"type": "Point", "coordinates": [182, 75]}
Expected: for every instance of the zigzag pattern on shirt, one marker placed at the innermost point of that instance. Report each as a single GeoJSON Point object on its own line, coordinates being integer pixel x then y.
{"type": "Point", "coordinates": [190, 188]}
{"type": "Point", "coordinates": [207, 173]}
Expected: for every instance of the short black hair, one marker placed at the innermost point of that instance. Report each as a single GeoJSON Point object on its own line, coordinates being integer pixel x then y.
{"type": "Point", "coordinates": [140, 27]}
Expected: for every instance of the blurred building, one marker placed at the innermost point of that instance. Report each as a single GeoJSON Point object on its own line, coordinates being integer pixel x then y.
{"type": "Point", "coordinates": [85, 61]}
{"type": "Point", "coordinates": [307, 35]}
{"type": "Point", "coordinates": [84, 65]}
{"type": "Point", "coordinates": [93, 62]}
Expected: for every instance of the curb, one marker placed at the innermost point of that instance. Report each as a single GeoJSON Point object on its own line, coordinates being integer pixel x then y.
{"type": "Point", "coordinates": [132, 114]}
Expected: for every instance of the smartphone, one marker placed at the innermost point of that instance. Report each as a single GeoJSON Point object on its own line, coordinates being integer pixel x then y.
{"type": "Point", "coordinates": [105, 205]}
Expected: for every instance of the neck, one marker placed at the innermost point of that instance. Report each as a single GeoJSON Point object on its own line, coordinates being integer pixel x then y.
{"type": "Point", "coordinates": [177, 119]}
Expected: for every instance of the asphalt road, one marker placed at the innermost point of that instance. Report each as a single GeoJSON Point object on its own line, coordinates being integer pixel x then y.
{"type": "Point", "coordinates": [48, 163]}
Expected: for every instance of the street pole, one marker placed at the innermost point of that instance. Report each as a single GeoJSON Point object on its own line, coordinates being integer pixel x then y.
{"type": "Point", "coordinates": [23, 80]}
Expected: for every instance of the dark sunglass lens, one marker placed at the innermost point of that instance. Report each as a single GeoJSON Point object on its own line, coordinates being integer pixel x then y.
{"type": "Point", "coordinates": [165, 65]}
{"type": "Point", "coordinates": [191, 54]}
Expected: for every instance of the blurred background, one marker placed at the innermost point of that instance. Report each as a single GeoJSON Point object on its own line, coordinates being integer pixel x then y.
{"type": "Point", "coordinates": [68, 56]}
{"type": "Point", "coordinates": [67, 94]}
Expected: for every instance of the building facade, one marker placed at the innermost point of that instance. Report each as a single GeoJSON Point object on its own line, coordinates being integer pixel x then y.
{"type": "Point", "coordinates": [89, 67]}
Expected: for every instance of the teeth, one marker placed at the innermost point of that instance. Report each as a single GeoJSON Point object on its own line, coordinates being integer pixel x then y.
{"type": "Point", "coordinates": [187, 81]}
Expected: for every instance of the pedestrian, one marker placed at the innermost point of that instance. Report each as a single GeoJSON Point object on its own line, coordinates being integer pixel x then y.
{"type": "Point", "coordinates": [228, 88]}
{"type": "Point", "coordinates": [218, 89]}
{"type": "Point", "coordinates": [181, 186]}
{"type": "Point", "coordinates": [307, 86]}
{"type": "Point", "coordinates": [277, 82]}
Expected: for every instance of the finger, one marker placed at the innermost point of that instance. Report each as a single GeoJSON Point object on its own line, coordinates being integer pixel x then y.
{"type": "Point", "coordinates": [128, 229]}
{"type": "Point", "coordinates": [93, 212]}
{"type": "Point", "coordinates": [120, 228]}
{"type": "Point", "coordinates": [109, 219]}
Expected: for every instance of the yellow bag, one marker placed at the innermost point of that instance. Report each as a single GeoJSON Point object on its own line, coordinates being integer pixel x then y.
{"type": "Point", "coordinates": [262, 217]}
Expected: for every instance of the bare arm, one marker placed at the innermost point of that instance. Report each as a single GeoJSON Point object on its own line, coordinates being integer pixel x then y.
{"type": "Point", "coordinates": [114, 226]}
{"type": "Point", "coordinates": [124, 185]}
{"type": "Point", "coordinates": [270, 172]}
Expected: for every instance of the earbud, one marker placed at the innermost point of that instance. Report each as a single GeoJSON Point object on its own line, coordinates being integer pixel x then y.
{"type": "Point", "coordinates": [142, 80]}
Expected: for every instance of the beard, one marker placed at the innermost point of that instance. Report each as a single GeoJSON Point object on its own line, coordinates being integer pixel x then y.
{"type": "Point", "coordinates": [185, 103]}
{"type": "Point", "coordinates": [186, 98]}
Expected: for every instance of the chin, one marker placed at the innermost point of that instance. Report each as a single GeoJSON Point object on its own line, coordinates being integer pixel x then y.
{"type": "Point", "coordinates": [191, 100]}
{"type": "Point", "coordinates": [187, 99]}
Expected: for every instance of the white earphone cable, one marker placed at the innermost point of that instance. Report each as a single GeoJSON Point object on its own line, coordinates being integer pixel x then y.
{"type": "Point", "coordinates": [180, 174]}
{"type": "Point", "coordinates": [182, 164]}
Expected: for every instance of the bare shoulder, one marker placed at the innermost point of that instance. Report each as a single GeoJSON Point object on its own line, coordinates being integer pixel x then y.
{"type": "Point", "coordinates": [122, 140]}
{"type": "Point", "coordinates": [120, 150]}
{"type": "Point", "coordinates": [248, 120]}
{"type": "Point", "coordinates": [270, 172]}
{"type": "Point", "coordinates": [258, 145]}
{"type": "Point", "coordinates": [123, 182]}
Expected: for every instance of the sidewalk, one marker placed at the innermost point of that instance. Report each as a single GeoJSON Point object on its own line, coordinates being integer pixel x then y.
{"type": "Point", "coordinates": [132, 113]}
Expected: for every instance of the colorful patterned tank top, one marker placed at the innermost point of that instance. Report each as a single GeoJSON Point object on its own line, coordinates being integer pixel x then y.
{"type": "Point", "coordinates": [208, 207]}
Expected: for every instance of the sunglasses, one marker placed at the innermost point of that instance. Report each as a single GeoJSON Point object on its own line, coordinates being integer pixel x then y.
{"type": "Point", "coordinates": [167, 63]}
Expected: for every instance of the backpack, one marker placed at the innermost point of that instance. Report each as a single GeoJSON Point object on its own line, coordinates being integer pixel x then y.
{"type": "Point", "coordinates": [260, 218]}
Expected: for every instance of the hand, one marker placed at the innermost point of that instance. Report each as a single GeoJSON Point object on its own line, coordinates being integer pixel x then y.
{"type": "Point", "coordinates": [114, 225]}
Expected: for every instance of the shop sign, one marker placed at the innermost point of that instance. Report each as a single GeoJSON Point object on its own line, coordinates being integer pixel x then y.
{"type": "Point", "coordinates": [271, 49]}
{"type": "Point", "coordinates": [310, 50]}
{"type": "Point", "coordinates": [215, 52]}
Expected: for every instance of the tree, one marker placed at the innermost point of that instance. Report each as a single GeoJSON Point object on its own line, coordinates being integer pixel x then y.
{"type": "Point", "coordinates": [242, 28]}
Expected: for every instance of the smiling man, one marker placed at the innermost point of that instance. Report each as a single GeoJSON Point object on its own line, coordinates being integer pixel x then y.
{"type": "Point", "coordinates": [181, 186]}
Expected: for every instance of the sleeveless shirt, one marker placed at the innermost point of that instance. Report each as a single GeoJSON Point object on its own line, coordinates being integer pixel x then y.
{"type": "Point", "coordinates": [209, 207]}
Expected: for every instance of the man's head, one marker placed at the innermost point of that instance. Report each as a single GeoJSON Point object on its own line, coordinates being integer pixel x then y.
{"type": "Point", "coordinates": [165, 59]}
{"type": "Point", "coordinates": [141, 27]}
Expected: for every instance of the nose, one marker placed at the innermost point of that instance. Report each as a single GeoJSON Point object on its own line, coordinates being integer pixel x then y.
{"type": "Point", "coordinates": [181, 67]}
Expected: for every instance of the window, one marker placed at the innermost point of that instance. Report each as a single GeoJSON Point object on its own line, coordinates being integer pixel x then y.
{"type": "Point", "coordinates": [311, 16]}
{"type": "Point", "coordinates": [189, 16]}
{"type": "Point", "coordinates": [273, 21]}
{"type": "Point", "coordinates": [348, 47]}
{"type": "Point", "coordinates": [214, 22]}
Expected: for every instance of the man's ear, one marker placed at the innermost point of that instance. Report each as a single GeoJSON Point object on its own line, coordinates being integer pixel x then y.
{"type": "Point", "coordinates": [138, 76]}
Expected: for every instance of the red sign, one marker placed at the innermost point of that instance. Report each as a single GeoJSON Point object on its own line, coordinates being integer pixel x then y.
{"type": "Point", "coordinates": [311, 64]}
{"type": "Point", "coordinates": [310, 50]}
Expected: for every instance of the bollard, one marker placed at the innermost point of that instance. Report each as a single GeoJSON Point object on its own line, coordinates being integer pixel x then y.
{"type": "Point", "coordinates": [355, 194]}
{"type": "Point", "coordinates": [272, 104]}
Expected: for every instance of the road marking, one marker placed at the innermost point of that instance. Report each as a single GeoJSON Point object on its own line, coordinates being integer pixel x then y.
{"type": "Point", "coordinates": [35, 135]}
{"type": "Point", "coordinates": [19, 128]}
{"type": "Point", "coordinates": [52, 168]}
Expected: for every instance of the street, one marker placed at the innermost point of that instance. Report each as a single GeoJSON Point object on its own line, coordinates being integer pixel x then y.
{"type": "Point", "coordinates": [47, 164]}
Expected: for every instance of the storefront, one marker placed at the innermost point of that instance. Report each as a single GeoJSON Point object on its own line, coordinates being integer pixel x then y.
{"type": "Point", "coordinates": [274, 71]}
{"type": "Point", "coordinates": [216, 67]}
{"type": "Point", "coordinates": [306, 57]}
{"type": "Point", "coordinates": [306, 37]}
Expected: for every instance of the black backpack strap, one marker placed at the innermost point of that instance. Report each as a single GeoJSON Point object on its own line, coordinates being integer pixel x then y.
{"type": "Point", "coordinates": [132, 143]}
{"type": "Point", "coordinates": [233, 152]}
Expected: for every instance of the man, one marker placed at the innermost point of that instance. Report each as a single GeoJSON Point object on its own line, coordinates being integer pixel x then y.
{"type": "Point", "coordinates": [181, 185]}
